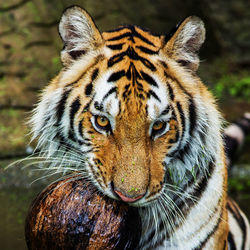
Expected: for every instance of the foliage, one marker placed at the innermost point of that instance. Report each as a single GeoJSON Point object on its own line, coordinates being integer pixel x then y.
{"type": "Point", "coordinates": [236, 85]}
{"type": "Point", "coordinates": [239, 184]}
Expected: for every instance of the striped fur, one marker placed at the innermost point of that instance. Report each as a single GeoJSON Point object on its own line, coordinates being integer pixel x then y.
{"type": "Point", "coordinates": [135, 79]}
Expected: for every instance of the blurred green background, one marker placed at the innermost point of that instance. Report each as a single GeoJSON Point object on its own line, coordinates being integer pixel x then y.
{"type": "Point", "coordinates": [29, 58]}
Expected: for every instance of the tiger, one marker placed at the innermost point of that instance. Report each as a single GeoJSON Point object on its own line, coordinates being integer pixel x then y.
{"type": "Point", "coordinates": [129, 112]}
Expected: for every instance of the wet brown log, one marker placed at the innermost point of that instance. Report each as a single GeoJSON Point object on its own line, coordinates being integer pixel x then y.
{"type": "Point", "coordinates": [71, 214]}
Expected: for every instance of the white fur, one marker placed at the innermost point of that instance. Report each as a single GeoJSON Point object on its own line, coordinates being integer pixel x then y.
{"type": "Point", "coordinates": [188, 42]}
{"type": "Point", "coordinates": [111, 103]}
{"type": "Point", "coordinates": [153, 103]}
{"type": "Point", "coordinates": [237, 231]}
{"type": "Point", "coordinates": [74, 72]}
{"type": "Point", "coordinates": [76, 30]}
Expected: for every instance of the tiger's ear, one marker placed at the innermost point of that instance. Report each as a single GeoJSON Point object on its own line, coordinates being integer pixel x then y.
{"type": "Point", "coordinates": [79, 34]}
{"type": "Point", "coordinates": [184, 44]}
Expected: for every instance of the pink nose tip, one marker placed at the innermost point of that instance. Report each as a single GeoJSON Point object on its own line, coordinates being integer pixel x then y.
{"type": "Point", "coordinates": [128, 199]}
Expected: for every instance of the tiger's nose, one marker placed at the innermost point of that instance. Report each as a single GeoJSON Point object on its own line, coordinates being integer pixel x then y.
{"type": "Point", "coordinates": [128, 199]}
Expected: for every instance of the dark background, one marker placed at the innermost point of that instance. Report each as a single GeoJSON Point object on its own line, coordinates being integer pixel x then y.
{"type": "Point", "coordinates": [29, 58]}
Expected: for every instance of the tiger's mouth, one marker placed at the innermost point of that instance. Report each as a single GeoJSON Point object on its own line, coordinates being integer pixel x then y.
{"type": "Point", "coordinates": [135, 200]}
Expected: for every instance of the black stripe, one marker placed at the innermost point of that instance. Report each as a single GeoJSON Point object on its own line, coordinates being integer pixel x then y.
{"type": "Point", "coordinates": [127, 34]}
{"type": "Point", "coordinates": [139, 86]}
{"type": "Point", "coordinates": [135, 73]}
{"type": "Point", "coordinates": [240, 221]}
{"type": "Point", "coordinates": [75, 106]}
{"type": "Point", "coordinates": [72, 137]}
{"type": "Point", "coordinates": [128, 73]}
{"type": "Point", "coordinates": [152, 93]}
{"type": "Point", "coordinates": [184, 151]}
{"type": "Point", "coordinates": [75, 54]}
{"type": "Point", "coordinates": [192, 116]}
{"type": "Point", "coordinates": [148, 79]}
{"type": "Point", "coordinates": [110, 92]}
{"type": "Point", "coordinates": [94, 74]}
{"type": "Point", "coordinates": [202, 183]}
{"type": "Point", "coordinates": [88, 89]}
{"type": "Point", "coordinates": [86, 107]}
{"type": "Point", "coordinates": [115, 59]}
{"type": "Point", "coordinates": [182, 117]}
{"type": "Point", "coordinates": [98, 106]}
{"type": "Point", "coordinates": [131, 53]}
{"type": "Point", "coordinates": [178, 83]}
{"type": "Point", "coordinates": [80, 127]}
{"type": "Point", "coordinates": [199, 183]}
{"type": "Point", "coordinates": [146, 50]}
{"type": "Point", "coordinates": [164, 64]}
{"type": "Point", "coordinates": [141, 96]}
{"type": "Point", "coordinates": [131, 36]}
{"type": "Point", "coordinates": [61, 106]}
{"type": "Point", "coordinates": [115, 46]}
{"type": "Point", "coordinates": [231, 242]}
{"type": "Point", "coordinates": [116, 76]}
{"type": "Point", "coordinates": [165, 111]}
{"type": "Point", "coordinates": [144, 39]}
{"type": "Point", "coordinates": [171, 92]}
{"type": "Point", "coordinates": [148, 64]}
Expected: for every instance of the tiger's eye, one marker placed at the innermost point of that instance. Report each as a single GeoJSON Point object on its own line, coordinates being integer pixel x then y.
{"type": "Point", "coordinates": [102, 121]}
{"type": "Point", "coordinates": [158, 125]}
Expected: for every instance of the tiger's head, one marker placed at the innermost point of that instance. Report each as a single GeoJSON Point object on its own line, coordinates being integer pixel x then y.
{"type": "Point", "coordinates": [127, 110]}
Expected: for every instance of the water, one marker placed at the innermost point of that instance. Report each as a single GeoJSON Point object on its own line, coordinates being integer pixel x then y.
{"type": "Point", "coordinates": [16, 195]}
{"type": "Point", "coordinates": [13, 209]}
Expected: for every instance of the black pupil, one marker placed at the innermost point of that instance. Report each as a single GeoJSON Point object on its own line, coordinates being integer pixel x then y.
{"type": "Point", "coordinates": [157, 124]}
{"type": "Point", "coordinates": [103, 119]}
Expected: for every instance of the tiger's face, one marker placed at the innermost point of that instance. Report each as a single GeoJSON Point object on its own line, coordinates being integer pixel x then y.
{"type": "Point", "coordinates": [125, 109]}
{"type": "Point", "coordinates": [130, 121]}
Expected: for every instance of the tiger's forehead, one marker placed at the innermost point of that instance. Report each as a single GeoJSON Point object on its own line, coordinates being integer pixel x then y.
{"type": "Point", "coordinates": [133, 36]}
{"type": "Point", "coordinates": [131, 84]}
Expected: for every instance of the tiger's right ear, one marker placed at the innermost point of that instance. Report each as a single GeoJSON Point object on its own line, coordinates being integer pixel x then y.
{"type": "Point", "coordinates": [184, 44]}
{"type": "Point", "coordinates": [79, 34]}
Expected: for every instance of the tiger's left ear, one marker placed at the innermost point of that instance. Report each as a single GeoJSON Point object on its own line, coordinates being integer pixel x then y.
{"type": "Point", "coordinates": [79, 34]}
{"type": "Point", "coordinates": [183, 46]}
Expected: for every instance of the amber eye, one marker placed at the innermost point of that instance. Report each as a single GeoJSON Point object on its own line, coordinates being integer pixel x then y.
{"type": "Point", "coordinates": [102, 123]}
{"type": "Point", "coordinates": [158, 128]}
{"type": "Point", "coordinates": [158, 125]}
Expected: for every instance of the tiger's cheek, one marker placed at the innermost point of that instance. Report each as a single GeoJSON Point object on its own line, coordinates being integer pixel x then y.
{"type": "Point", "coordinates": [172, 135]}
{"type": "Point", "coordinates": [160, 148]}
{"type": "Point", "coordinates": [99, 152]}
{"type": "Point", "coordinates": [157, 173]}
{"type": "Point", "coordinates": [157, 169]}
{"type": "Point", "coordinates": [104, 159]}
